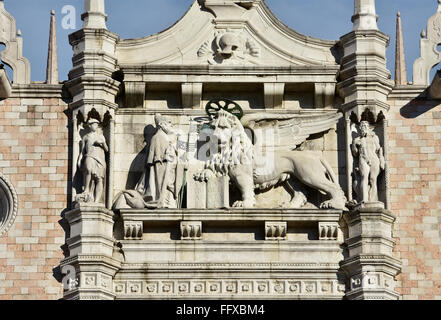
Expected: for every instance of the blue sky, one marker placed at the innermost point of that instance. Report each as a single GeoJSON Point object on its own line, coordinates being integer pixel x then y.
{"type": "Point", "coordinates": [326, 19]}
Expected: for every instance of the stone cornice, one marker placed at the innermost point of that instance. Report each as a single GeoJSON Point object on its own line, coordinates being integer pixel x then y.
{"type": "Point", "coordinates": [232, 215]}
{"type": "Point", "coordinates": [363, 34]}
{"type": "Point", "coordinates": [408, 92]}
{"type": "Point", "coordinates": [209, 69]}
{"type": "Point", "coordinates": [82, 33]}
{"type": "Point", "coordinates": [40, 90]}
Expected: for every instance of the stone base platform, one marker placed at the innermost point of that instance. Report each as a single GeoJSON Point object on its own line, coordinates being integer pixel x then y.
{"type": "Point", "coordinates": [230, 254]}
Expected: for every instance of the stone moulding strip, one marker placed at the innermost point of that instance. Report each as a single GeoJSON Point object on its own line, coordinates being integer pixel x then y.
{"type": "Point", "coordinates": [324, 71]}
{"type": "Point", "coordinates": [409, 92]}
{"type": "Point", "coordinates": [244, 246]}
{"type": "Point", "coordinates": [288, 215]}
{"type": "Point", "coordinates": [39, 90]}
{"type": "Point", "coordinates": [156, 269]}
{"type": "Point", "coordinates": [231, 287]}
{"type": "Point", "coordinates": [202, 113]}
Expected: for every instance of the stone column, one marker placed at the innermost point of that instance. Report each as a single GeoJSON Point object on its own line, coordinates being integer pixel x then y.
{"type": "Point", "coordinates": [93, 88]}
{"type": "Point", "coordinates": [91, 80]}
{"type": "Point", "coordinates": [91, 246]}
{"type": "Point", "coordinates": [364, 17]}
{"type": "Point", "coordinates": [94, 16]}
{"type": "Point", "coordinates": [365, 85]}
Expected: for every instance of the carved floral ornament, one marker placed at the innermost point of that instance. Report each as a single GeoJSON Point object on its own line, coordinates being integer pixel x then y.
{"type": "Point", "coordinates": [230, 47]}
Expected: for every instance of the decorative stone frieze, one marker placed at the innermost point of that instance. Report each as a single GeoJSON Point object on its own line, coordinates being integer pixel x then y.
{"type": "Point", "coordinates": [247, 288]}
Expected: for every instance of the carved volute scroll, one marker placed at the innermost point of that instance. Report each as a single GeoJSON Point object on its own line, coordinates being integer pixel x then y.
{"type": "Point", "coordinates": [13, 53]}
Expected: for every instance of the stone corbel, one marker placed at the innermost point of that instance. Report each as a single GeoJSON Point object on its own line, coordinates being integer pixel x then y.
{"type": "Point", "coordinates": [324, 94]}
{"type": "Point", "coordinates": [275, 230]}
{"type": "Point", "coordinates": [133, 230]}
{"type": "Point", "coordinates": [329, 231]}
{"type": "Point", "coordinates": [191, 230]}
{"type": "Point", "coordinates": [274, 93]}
{"type": "Point", "coordinates": [134, 94]}
{"type": "Point", "coordinates": [191, 95]}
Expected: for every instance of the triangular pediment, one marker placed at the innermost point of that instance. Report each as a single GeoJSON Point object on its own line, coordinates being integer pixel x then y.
{"type": "Point", "coordinates": [227, 33]}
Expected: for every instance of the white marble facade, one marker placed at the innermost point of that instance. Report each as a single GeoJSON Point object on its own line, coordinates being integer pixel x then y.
{"type": "Point", "coordinates": [228, 228]}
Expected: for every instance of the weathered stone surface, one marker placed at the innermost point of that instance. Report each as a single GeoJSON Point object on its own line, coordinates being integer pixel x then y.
{"type": "Point", "coordinates": [283, 81]}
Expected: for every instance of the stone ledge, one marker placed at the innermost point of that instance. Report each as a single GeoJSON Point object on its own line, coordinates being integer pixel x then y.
{"type": "Point", "coordinates": [239, 215]}
{"type": "Point", "coordinates": [232, 246]}
{"type": "Point", "coordinates": [39, 90]}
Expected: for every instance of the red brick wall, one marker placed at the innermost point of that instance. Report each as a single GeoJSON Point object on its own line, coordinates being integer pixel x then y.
{"type": "Point", "coordinates": [34, 157]}
{"type": "Point", "coordinates": [415, 181]}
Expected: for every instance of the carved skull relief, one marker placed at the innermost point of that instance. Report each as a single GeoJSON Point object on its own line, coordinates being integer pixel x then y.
{"type": "Point", "coordinates": [230, 47]}
{"type": "Point", "coordinates": [228, 44]}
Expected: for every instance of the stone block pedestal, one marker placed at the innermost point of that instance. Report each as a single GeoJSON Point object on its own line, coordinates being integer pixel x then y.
{"type": "Point", "coordinates": [370, 267]}
{"type": "Point", "coordinates": [90, 268]}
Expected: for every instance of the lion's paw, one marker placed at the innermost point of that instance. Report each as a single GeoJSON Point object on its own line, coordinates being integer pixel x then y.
{"type": "Point", "coordinates": [238, 204]}
{"type": "Point", "coordinates": [333, 204]}
{"type": "Point", "coordinates": [204, 175]}
{"type": "Point", "coordinates": [244, 204]}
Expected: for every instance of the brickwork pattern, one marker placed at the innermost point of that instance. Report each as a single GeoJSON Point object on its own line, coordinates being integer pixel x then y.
{"type": "Point", "coordinates": [34, 157]}
{"type": "Point", "coordinates": [415, 181]}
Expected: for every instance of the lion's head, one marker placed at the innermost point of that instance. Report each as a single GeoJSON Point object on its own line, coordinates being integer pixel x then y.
{"type": "Point", "coordinates": [233, 145]}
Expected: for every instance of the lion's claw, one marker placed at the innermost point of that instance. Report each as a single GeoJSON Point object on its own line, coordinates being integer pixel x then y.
{"type": "Point", "coordinates": [204, 175]}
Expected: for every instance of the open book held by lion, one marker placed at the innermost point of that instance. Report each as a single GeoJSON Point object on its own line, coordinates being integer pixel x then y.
{"type": "Point", "coordinates": [273, 158]}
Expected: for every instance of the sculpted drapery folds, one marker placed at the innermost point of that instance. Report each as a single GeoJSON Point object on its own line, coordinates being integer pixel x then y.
{"type": "Point", "coordinates": [92, 163]}
{"type": "Point", "coordinates": [159, 185]}
{"type": "Point", "coordinates": [367, 150]}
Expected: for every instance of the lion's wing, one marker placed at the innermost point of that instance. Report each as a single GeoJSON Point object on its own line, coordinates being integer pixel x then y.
{"type": "Point", "coordinates": [287, 132]}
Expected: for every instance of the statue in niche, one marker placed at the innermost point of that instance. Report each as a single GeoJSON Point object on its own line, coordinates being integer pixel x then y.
{"type": "Point", "coordinates": [92, 163]}
{"type": "Point", "coordinates": [159, 186]}
{"type": "Point", "coordinates": [272, 159]}
{"type": "Point", "coordinates": [368, 152]}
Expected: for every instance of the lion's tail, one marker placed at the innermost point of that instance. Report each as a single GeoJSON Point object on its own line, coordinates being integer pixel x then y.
{"type": "Point", "coordinates": [329, 171]}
